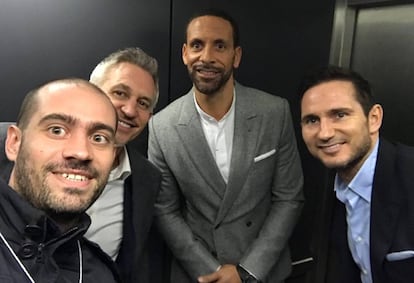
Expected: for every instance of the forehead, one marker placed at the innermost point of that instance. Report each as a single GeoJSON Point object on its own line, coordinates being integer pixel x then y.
{"type": "Point", "coordinates": [79, 101]}
{"type": "Point", "coordinates": [209, 26]}
{"type": "Point", "coordinates": [129, 72]}
{"type": "Point", "coordinates": [329, 95]}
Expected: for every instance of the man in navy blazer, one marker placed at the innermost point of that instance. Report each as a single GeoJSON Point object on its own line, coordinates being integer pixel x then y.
{"type": "Point", "coordinates": [231, 192]}
{"type": "Point", "coordinates": [372, 233]}
{"type": "Point", "coordinates": [122, 216]}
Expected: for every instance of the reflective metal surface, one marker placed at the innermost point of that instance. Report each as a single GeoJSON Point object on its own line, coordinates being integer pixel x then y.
{"type": "Point", "coordinates": [378, 42]}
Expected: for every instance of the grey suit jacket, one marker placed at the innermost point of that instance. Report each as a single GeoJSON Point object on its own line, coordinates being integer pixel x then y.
{"type": "Point", "coordinates": [249, 220]}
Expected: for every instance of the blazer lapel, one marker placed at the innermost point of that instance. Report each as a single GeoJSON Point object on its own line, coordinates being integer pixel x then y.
{"type": "Point", "coordinates": [384, 206]}
{"type": "Point", "coordinates": [193, 139]}
{"type": "Point", "coordinates": [246, 130]}
{"type": "Point", "coordinates": [141, 189]}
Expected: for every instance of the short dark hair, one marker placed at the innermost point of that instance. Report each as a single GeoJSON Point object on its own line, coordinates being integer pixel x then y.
{"type": "Point", "coordinates": [362, 87]}
{"type": "Point", "coordinates": [220, 14]}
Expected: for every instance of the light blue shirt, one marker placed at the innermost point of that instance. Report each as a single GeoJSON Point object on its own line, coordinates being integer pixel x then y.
{"type": "Point", "coordinates": [357, 199]}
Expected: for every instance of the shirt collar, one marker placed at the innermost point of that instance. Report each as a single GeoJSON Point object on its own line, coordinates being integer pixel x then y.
{"type": "Point", "coordinates": [123, 170]}
{"type": "Point", "coordinates": [207, 117]}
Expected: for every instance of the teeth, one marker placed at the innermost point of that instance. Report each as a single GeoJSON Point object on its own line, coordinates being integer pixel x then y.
{"type": "Point", "coordinates": [74, 177]}
{"type": "Point", "coordinates": [124, 124]}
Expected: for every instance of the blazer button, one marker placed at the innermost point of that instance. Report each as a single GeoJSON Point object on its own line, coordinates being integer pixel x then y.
{"type": "Point", "coordinates": [214, 254]}
{"type": "Point", "coordinates": [248, 223]}
{"type": "Point", "coordinates": [27, 250]}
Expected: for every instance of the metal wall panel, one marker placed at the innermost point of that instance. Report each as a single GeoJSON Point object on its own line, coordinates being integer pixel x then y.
{"type": "Point", "coordinates": [383, 52]}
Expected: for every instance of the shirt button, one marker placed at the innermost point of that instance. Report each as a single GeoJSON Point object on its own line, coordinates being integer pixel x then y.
{"type": "Point", "coordinates": [359, 239]}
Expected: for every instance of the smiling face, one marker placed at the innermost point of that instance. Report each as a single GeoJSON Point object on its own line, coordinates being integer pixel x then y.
{"type": "Point", "coordinates": [132, 92]}
{"type": "Point", "coordinates": [210, 54]}
{"type": "Point", "coordinates": [64, 154]}
{"type": "Point", "coordinates": [335, 128]}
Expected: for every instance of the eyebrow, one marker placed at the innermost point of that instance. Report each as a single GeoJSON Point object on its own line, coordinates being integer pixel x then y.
{"type": "Point", "coordinates": [71, 120]}
{"type": "Point", "coordinates": [123, 86]}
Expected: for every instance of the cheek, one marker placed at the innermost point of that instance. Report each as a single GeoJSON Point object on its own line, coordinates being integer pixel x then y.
{"type": "Point", "coordinates": [106, 160]}
{"type": "Point", "coordinates": [307, 137]}
{"type": "Point", "coordinates": [144, 117]}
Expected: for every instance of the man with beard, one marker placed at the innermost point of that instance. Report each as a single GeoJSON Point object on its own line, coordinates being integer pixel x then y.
{"type": "Point", "coordinates": [232, 181]}
{"type": "Point", "coordinates": [372, 234]}
{"type": "Point", "coordinates": [122, 216]}
{"type": "Point", "coordinates": [63, 148]}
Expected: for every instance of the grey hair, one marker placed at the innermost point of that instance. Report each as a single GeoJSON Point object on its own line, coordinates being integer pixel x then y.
{"type": "Point", "coordinates": [132, 55]}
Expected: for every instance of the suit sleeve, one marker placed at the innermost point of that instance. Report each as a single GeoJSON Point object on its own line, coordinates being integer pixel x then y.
{"type": "Point", "coordinates": [194, 257]}
{"type": "Point", "coordinates": [287, 201]}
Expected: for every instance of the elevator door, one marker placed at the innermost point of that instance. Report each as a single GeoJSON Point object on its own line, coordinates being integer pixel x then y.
{"type": "Point", "coordinates": [383, 52]}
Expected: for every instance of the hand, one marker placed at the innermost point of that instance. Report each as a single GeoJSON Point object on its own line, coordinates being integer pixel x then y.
{"type": "Point", "coordinates": [226, 274]}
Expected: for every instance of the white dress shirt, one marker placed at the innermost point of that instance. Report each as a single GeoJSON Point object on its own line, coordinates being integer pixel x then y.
{"type": "Point", "coordinates": [107, 211]}
{"type": "Point", "coordinates": [219, 136]}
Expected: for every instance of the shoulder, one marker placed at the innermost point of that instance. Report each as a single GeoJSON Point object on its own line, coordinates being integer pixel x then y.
{"type": "Point", "coordinates": [175, 108]}
{"type": "Point", "coordinates": [259, 98]}
{"type": "Point", "coordinates": [397, 158]}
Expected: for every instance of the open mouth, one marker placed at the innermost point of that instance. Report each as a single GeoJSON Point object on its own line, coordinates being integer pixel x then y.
{"type": "Point", "coordinates": [124, 124]}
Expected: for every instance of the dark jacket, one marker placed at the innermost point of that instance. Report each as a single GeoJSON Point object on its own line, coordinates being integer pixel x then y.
{"type": "Point", "coordinates": [392, 222]}
{"type": "Point", "coordinates": [31, 238]}
{"type": "Point", "coordinates": [141, 255]}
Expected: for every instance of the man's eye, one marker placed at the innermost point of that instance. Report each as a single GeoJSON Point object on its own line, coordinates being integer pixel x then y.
{"type": "Point", "coordinates": [341, 114]}
{"type": "Point", "coordinates": [100, 139]}
{"type": "Point", "coordinates": [196, 46]}
{"type": "Point", "coordinates": [220, 46]}
{"type": "Point", "coordinates": [310, 121]}
{"type": "Point", "coordinates": [143, 104]}
{"type": "Point", "coordinates": [119, 93]}
{"type": "Point", "coordinates": [57, 131]}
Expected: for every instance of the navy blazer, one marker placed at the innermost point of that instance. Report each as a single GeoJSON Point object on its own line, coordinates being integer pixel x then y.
{"type": "Point", "coordinates": [392, 222]}
{"type": "Point", "coordinates": [141, 190]}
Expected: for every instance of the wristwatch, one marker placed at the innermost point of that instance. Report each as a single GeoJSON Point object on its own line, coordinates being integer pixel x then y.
{"type": "Point", "coordinates": [245, 276]}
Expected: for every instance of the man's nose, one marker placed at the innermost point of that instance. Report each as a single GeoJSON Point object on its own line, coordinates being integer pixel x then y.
{"type": "Point", "coordinates": [130, 108]}
{"type": "Point", "coordinates": [326, 130]}
{"type": "Point", "coordinates": [207, 54]}
{"type": "Point", "coordinates": [78, 146]}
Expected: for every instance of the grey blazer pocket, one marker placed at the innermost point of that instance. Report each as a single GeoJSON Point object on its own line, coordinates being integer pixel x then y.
{"type": "Point", "coordinates": [401, 255]}
{"type": "Point", "coordinates": [264, 155]}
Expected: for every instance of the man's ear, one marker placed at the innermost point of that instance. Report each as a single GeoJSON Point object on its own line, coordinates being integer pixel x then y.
{"type": "Point", "coordinates": [375, 118]}
{"type": "Point", "coordinates": [184, 53]}
{"type": "Point", "coordinates": [237, 57]}
{"type": "Point", "coordinates": [13, 140]}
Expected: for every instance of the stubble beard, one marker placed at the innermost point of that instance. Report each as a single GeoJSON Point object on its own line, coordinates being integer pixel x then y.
{"type": "Point", "coordinates": [34, 188]}
{"type": "Point", "coordinates": [355, 160]}
{"type": "Point", "coordinates": [209, 87]}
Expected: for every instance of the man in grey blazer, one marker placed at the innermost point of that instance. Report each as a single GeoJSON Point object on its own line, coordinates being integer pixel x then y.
{"type": "Point", "coordinates": [232, 181]}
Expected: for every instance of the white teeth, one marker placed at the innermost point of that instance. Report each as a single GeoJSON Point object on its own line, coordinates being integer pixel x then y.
{"type": "Point", "coordinates": [124, 124]}
{"type": "Point", "coordinates": [74, 177]}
